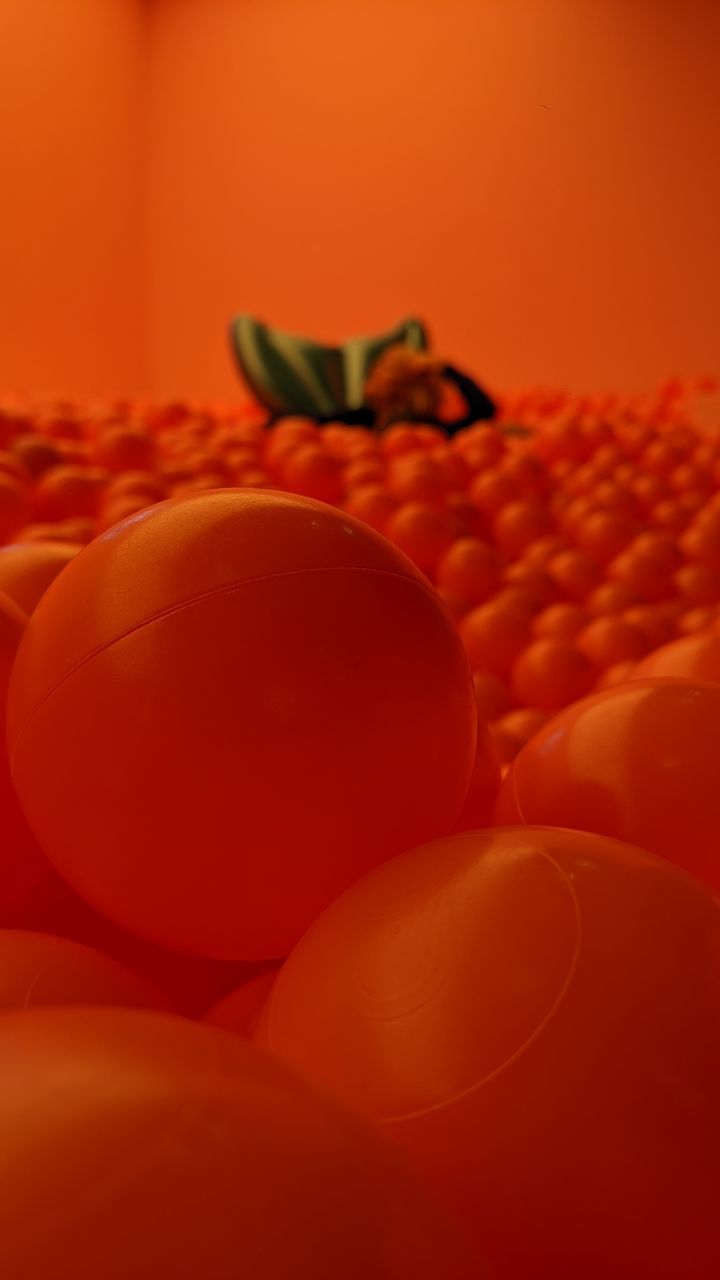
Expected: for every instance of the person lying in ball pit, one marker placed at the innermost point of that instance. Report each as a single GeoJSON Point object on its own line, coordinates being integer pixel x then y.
{"type": "Point", "coordinates": [410, 386]}
{"type": "Point", "coordinates": [370, 382]}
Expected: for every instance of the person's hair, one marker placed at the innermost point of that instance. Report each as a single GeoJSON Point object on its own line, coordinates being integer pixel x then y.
{"type": "Point", "coordinates": [400, 375]}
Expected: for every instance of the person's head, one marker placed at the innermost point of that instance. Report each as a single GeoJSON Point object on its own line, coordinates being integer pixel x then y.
{"type": "Point", "coordinates": [404, 384]}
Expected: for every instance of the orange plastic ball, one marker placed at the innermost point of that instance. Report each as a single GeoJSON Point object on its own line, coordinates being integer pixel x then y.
{"type": "Point", "coordinates": [239, 457]}
{"type": "Point", "coordinates": [11, 465]}
{"type": "Point", "coordinates": [518, 601]}
{"type": "Point", "coordinates": [625, 473]}
{"type": "Point", "coordinates": [61, 425]}
{"type": "Point", "coordinates": [366, 471]}
{"type": "Point", "coordinates": [658, 547]}
{"type": "Point", "coordinates": [37, 969]}
{"type": "Point", "coordinates": [533, 580]}
{"type": "Point", "coordinates": [638, 762]}
{"type": "Point", "coordinates": [696, 620]}
{"type": "Point", "coordinates": [482, 793]}
{"type": "Point", "coordinates": [348, 442]}
{"type": "Point", "coordinates": [240, 1010]}
{"type": "Point", "coordinates": [670, 516]}
{"type": "Point", "coordinates": [28, 568]}
{"type": "Point", "coordinates": [190, 984]}
{"type": "Point", "coordinates": [617, 674]}
{"type": "Point", "coordinates": [491, 491]}
{"type": "Point", "coordinates": [371, 504]}
{"type": "Point", "coordinates": [604, 534]}
{"type": "Point", "coordinates": [527, 473]}
{"type": "Point", "coordinates": [471, 569]}
{"type": "Point", "coordinates": [551, 673]}
{"type": "Point", "coordinates": [415, 478]}
{"type": "Point", "coordinates": [615, 499]}
{"type": "Point", "coordinates": [532, 1014]}
{"type": "Point", "coordinates": [518, 525]}
{"type": "Point", "coordinates": [494, 636]}
{"type": "Point", "coordinates": [571, 515]}
{"type": "Point", "coordinates": [128, 504]}
{"type": "Point", "coordinates": [608, 457]}
{"type": "Point", "coordinates": [694, 503]}
{"type": "Point", "coordinates": [560, 621]}
{"type": "Point", "coordinates": [689, 477]}
{"type": "Point", "coordinates": [399, 439]}
{"type": "Point", "coordinates": [661, 458]}
{"type": "Point", "coordinates": [542, 551]}
{"type": "Point", "coordinates": [453, 470]}
{"type": "Point", "coordinates": [649, 490]}
{"type": "Point", "coordinates": [125, 448]}
{"type": "Point", "coordinates": [15, 506]}
{"type": "Point", "coordinates": [294, 431]}
{"type": "Point", "coordinates": [23, 868]}
{"type": "Point", "coordinates": [492, 695]}
{"type": "Point", "coordinates": [467, 520]}
{"type": "Point", "coordinates": [643, 575]}
{"type": "Point", "coordinates": [422, 532]}
{"type": "Point", "coordinates": [146, 483]}
{"type": "Point", "coordinates": [698, 583]}
{"type": "Point", "coordinates": [506, 746]}
{"type": "Point", "coordinates": [702, 540]}
{"type": "Point", "coordinates": [314, 473]}
{"type": "Point", "coordinates": [208, 462]}
{"type": "Point", "coordinates": [137, 1144]}
{"type": "Point", "coordinates": [252, 478]}
{"type": "Point", "coordinates": [455, 605]}
{"type": "Point", "coordinates": [608, 640]}
{"type": "Point", "coordinates": [265, 699]}
{"type": "Point", "coordinates": [481, 437]}
{"type": "Point", "coordinates": [561, 440]}
{"type": "Point", "coordinates": [69, 491]}
{"type": "Point", "coordinates": [575, 574]}
{"type": "Point", "coordinates": [522, 723]}
{"type": "Point", "coordinates": [36, 453]}
{"type": "Point", "coordinates": [651, 622]}
{"type": "Point", "coordinates": [695, 657]}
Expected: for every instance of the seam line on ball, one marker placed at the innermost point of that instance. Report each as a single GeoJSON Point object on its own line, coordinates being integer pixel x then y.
{"type": "Point", "coordinates": [533, 1036]}
{"type": "Point", "coordinates": [226, 589]}
{"type": "Point", "coordinates": [516, 797]}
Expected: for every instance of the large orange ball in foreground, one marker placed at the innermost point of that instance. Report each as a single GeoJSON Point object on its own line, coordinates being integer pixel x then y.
{"type": "Point", "coordinates": [637, 761]}
{"type": "Point", "coordinates": [145, 1146]}
{"type": "Point", "coordinates": [227, 709]}
{"type": "Point", "coordinates": [533, 1015]}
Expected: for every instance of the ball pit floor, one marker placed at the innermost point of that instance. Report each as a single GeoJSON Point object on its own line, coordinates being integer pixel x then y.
{"type": "Point", "coordinates": [571, 548]}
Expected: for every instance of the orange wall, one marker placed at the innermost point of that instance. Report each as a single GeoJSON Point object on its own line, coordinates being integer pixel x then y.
{"type": "Point", "coordinates": [333, 164]}
{"type": "Point", "coordinates": [72, 200]}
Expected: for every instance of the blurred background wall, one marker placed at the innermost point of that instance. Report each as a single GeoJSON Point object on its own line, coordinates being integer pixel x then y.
{"type": "Point", "coordinates": [73, 195]}
{"type": "Point", "coordinates": [538, 178]}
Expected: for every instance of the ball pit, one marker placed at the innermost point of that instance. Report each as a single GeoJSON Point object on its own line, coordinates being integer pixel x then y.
{"type": "Point", "coordinates": [238, 663]}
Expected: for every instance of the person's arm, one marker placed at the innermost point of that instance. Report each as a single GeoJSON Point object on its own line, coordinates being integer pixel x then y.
{"type": "Point", "coordinates": [479, 405]}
